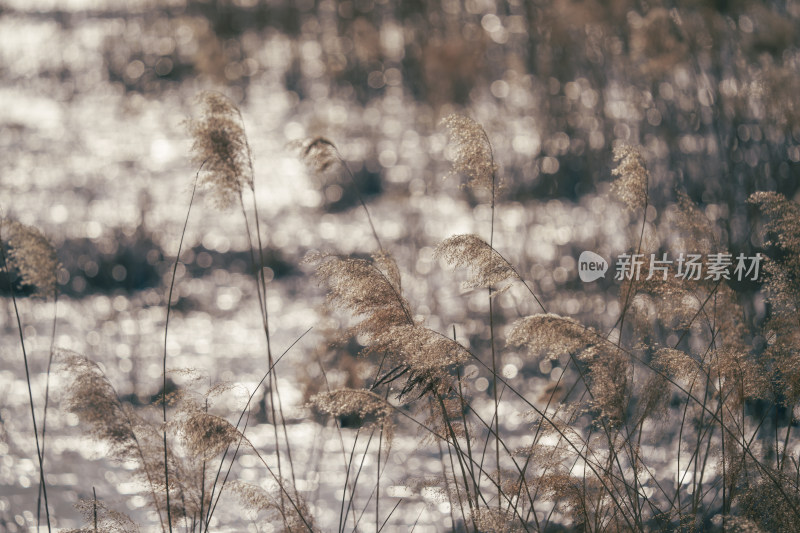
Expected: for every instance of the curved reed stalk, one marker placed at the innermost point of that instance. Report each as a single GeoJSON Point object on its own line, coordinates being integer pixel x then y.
{"type": "Point", "coordinates": [32, 255]}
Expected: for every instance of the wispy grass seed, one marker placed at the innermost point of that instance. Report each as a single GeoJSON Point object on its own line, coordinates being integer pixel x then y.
{"type": "Point", "coordinates": [32, 255]}
{"type": "Point", "coordinates": [632, 177]}
{"type": "Point", "coordinates": [473, 152]}
{"type": "Point", "coordinates": [221, 148]}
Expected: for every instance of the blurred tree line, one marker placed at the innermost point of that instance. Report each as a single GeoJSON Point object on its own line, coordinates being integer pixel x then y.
{"type": "Point", "coordinates": [708, 87]}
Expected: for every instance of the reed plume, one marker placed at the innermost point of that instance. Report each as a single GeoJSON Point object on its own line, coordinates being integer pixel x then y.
{"type": "Point", "coordinates": [632, 177]}
{"type": "Point", "coordinates": [318, 153]}
{"type": "Point", "coordinates": [321, 157]}
{"type": "Point", "coordinates": [371, 409]}
{"type": "Point", "coordinates": [781, 230]}
{"type": "Point", "coordinates": [372, 292]}
{"type": "Point", "coordinates": [295, 519]}
{"type": "Point", "coordinates": [782, 226]}
{"type": "Point", "coordinates": [489, 269]}
{"type": "Point", "coordinates": [200, 437]}
{"type": "Point", "coordinates": [473, 152]}
{"type": "Point", "coordinates": [676, 363]}
{"type": "Point", "coordinates": [495, 520]}
{"type": "Point", "coordinates": [551, 335]}
{"type": "Point", "coordinates": [103, 519]}
{"type": "Point", "coordinates": [93, 398]}
{"type": "Point", "coordinates": [205, 435]}
{"type": "Point", "coordinates": [694, 231]}
{"type": "Point", "coordinates": [32, 256]}
{"type": "Point", "coordinates": [221, 148]}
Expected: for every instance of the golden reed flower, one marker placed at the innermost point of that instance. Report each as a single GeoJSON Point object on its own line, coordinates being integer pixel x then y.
{"type": "Point", "coordinates": [474, 156]}
{"type": "Point", "coordinates": [221, 147]}
{"type": "Point", "coordinates": [631, 185]}
{"type": "Point", "coordinates": [31, 255]}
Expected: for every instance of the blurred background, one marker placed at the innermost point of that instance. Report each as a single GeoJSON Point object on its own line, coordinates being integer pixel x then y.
{"type": "Point", "coordinates": [94, 150]}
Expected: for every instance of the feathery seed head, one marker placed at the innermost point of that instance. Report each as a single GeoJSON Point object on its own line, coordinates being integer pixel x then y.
{"type": "Point", "coordinates": [573, 492]}
{"type": "Point", "coordinates": [368, 289]}
{"type": "Point", "coordinates": [218, 104]}
{"type": "Point", "coordinates": [608, 379]}
{"type": "Point", "coordinates": [555, 335]}
{"type": "Point", "coordinates": [494, 520]}
{"type": "Point", "coordinates": [767, 506]}
{"type": "Point", "coordinates": [740, 524]}
{"type": "Point", "coordinates": [473, 156]}
{"type": "Point", "coordinates": [206, 435]}
{"type": "Point", "coordinates": [108, 520]}
{"type": "Point", "coordinates": [784, 355]}
{"type": "Point", "coordinates": [31, 255]}
{"type": "Point", "coordinates": [696, 231]}
{"type": "Point", "coordinates": [294, 518]}
{"type": "Point", "coordinates": [372, 292]}
{"type": "Point", "coordinates": [551, 334]}
{"type": "Point", "coordinates": [92, 397]}
{"type": "Point", "coordinates": [370, 408]}
{"type": "Point", "coordinates": [130, 437]}
{"type": "Point", "coordinates": [488, 267]}
{"type": "Point", "coordinates": [428, 356]}
{"type": "Point", "coordinates": [655, 397]}
{"type": "Point", "coordinates": [446, 417]}
{"type": "Point", "coordinates": [782, 289]}
{"type": "Point", "coordinates": [783, 219]}
{"type": "Point", "coordinates": [737, 370]}
{"type": "Point", "coordinates": [319, 154]}
{"type": "Point", "coordinates": [675, 363]}
{"type": "Point", "coordinates": [220, 146]}
{"type": "Point", "coordinates": [631, 185]}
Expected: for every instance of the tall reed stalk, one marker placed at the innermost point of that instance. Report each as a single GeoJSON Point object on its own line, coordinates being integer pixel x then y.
{"type": "Point", "coordinates": [28, 252]}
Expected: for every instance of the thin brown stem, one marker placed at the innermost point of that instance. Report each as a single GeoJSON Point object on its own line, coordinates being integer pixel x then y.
{"type": "Point", "coordinates": [166, 334]}
{"type": "Point", "coordinates": [39, 455]}
{"type": "Point", "coordinates": [47, 394]}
